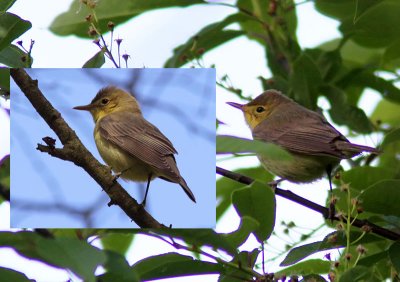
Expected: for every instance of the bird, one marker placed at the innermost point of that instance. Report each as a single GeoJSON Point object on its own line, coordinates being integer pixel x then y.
{"type": "Point", "coordinates": [315, 146]}
{"type": "Point", "coordinates": [134, 148]}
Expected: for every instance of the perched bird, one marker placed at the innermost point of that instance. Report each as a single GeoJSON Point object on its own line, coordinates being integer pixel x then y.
{"type": "Point", "coordinates": [315, 145]}
{"type": "Point", "coordinates": [133, 147]}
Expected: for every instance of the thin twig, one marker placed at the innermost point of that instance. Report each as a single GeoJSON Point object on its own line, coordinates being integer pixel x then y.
{"type": "Point", "coordinates": [361, 223]}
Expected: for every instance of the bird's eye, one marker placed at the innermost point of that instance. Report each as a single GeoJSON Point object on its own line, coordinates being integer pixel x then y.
{"type": "Point", "coordinates": [105, 101]}
{"type": "Point", "coordinates": [260, 109]}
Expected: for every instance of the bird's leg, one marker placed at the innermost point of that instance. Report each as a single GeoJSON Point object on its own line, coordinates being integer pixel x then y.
{"type": "Point", "coordinates": [147, 190]}
{"type": "Point", "coordinates": [331, 213]}
{"type": "Point", "coordinates": [118, 174]}
{"type": "Point", "coordinates": [114, 175]}
{"type": "Point", "coordinates": [274, 184]}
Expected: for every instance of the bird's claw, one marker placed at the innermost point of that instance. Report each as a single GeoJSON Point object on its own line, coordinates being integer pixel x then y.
{"type": "Point", "coordinates": [116, 176]}
{"type": "Point", "coordinates": [274, 184]}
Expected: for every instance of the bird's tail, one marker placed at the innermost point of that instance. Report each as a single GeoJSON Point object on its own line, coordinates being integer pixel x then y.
{"type": "Point", "coordinates": [187, 190]}
{"type": "Point", "coordinates": [355, 149]}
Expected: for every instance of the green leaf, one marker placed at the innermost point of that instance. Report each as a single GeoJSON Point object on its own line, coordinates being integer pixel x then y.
{"type": "Point", "coordinates": [7, 274]}
{"type": "Point", "coordinates": [313, 278]}
{"type": "Point", "coordinates": [391, 137]}
{"type": "Point", "coordinates": [5, 82]}
{"type": "Point", "coordinates": [5, 171]}
{"type": "Point", "coordinates": [357, 56]}
{"type": "Point", "coordinates": [360, 178]}
{"type": "Point", "coordinates": [387, 113]}
{"type": "Point", "coordinates": [117, 242]}
{"type": "Point", "coordinates": [274, 29]}
{"type": "Point", "coordinates": [11, 27]}
{"type": "Point", "coordinates": [389, 157]}
{"type": "Point", "coordinates": [77, 233]}
{"type": "Point", "coordinates": [6, 4]}
{"type": "Point", "coordinates": [305, 79]}
{"type": "Point", "coordinates": [299, 253]}
{"type": "Point", "coordinates": [358, 274]}
{"type": "Point", "coordinates": [343, 9]}
{"type": "Point", "coordinates": [78, 256]}
{"type": "Point", "coordinates": [75, 255]}
{"type": "Point", "coordinates": [364, 30]}
{"type": "Point", "coordinates": [231, 144]}
{"type": "Point", "coordinates": [117, 269]}
{"type": "Point", "coordinates": [391, 57]}
{"type": "Point", "coordinates": [332, 241]}
{"type": "Point", "coordinates": [382, 197]}
{"type": "Point", "coordinates": [360, 56]}
{"type": "Point", "coordinates": [244, 259]}
{"type": "Point", "coordinates": [386, 88]}
{"type": "Point", "coordinates": [282, 17]}
{"type": "Point", "coordinates": [394, 255]}
{"type": "Point", "coordinates": [96, 61]}
{"type": "Point", "coordinates": [276, 82]}
{"type": "Point", "coordinates": [354, 117]}
{"type": "Point", "coordinates": [12, 56]}
{"type": "Point", "coordinates": [344, 114]}
{"type": "Point", "coordinates": [372, 260]}
{"type": "Point", "coordinates": [226, 186]}
{"type": "Point", "coordinates": [73, 21]}
{"type": "Point", "coordinates": [305, 267]}
{"type": "Point", "coordinates": [239, 236]}
{"type": "Point", "coordinates": [328, 62]}
{"type": "Point", "coordinates": [196, 237]}
{"type": "Point", "coordinates": [258, 202]}
{"type": "Point", "coordinates": [205, 40]}
{"type": "Point", "coordinates": [173, 265]}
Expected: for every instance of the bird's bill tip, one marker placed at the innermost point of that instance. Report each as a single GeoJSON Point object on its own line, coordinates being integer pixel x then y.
{"type": "Point", "coordinates": [235, 105]}
{"type": "Point", "coordinates": [84, 108]}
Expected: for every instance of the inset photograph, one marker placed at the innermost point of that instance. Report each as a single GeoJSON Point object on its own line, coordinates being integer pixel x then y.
{"type": "Point", "coordinates": [113, 148]}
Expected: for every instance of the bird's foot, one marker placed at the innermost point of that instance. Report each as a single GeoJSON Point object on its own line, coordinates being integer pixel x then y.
{"type": "Point", "coordinates": [143, 204]}
{"type": "Point", "coordinates": [116, 176]}
{"type": "Point", "coordinates": [274, 184]}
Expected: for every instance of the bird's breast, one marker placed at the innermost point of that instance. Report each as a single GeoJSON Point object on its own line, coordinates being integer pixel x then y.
{"type": "Point", "coordinates": [121, 161]}
{"type": "Point", "coordinates": [300, 168]}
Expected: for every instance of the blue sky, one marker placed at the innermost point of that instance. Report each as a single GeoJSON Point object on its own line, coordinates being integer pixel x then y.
{"type": "Point", "coordinates": [180, 102]}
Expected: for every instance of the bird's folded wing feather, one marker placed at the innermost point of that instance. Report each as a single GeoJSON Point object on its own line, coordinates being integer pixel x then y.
{"type": "Point", "coordinates": [142, 140]}
{"type": "Point", "coordinates": [312, 136]}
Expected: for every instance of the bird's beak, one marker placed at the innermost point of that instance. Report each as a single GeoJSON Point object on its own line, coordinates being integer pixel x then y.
{"type": "Point", "coordinates": [85, 107]}
{"type": "Point", "coordinates": [235, 105]}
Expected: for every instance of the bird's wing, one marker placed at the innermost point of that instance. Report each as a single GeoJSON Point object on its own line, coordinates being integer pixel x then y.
{"type": "Point", "coordinates": [141, 139]}
{"type": "Point", "coordinates": [311, 135]}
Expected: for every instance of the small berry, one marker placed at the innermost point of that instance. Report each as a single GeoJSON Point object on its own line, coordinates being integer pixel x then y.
{"type": "Point", "coordinates": [111, 25]}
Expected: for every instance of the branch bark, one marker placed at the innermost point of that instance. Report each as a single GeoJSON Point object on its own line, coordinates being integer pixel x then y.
{"type": "Point", "coordinates": [73, 150]}
{"type": "Point", "coordinates": [363, 224]}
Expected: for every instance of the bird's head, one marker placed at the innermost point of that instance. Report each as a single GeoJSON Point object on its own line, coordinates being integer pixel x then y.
{"type": "Point", "coordinates": [109, 100]}
{"type": "Point", "coordinates": [261, 107]}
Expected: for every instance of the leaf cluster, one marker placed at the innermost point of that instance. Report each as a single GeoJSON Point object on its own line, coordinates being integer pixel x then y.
{"type": "Point", "coordinates": [339, 70]}
{"type": "Point", "coordinates": [12, 27]}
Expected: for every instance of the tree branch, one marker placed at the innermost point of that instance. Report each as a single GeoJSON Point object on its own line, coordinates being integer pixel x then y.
{"type": "Point", "coordinates": [74, 151]}
{"type": "Point", "coordinates": [364, 224]}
